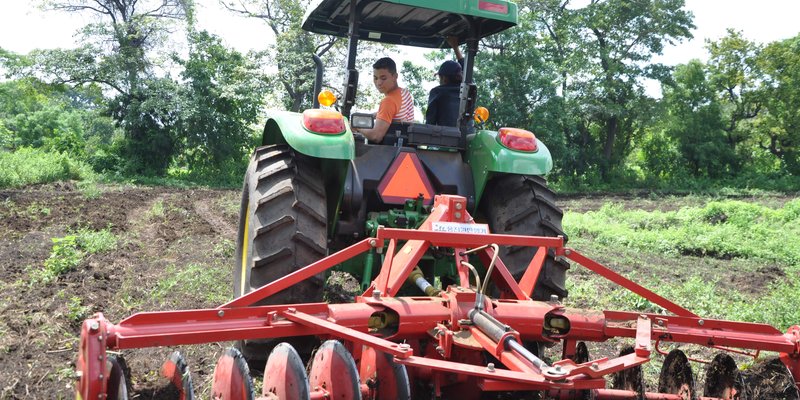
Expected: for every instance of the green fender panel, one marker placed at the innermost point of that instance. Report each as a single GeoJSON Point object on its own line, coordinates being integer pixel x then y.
{"type": "Point", "coordinates": [487, 156]}
{"type": "Point", "coordinates": [287, 127]}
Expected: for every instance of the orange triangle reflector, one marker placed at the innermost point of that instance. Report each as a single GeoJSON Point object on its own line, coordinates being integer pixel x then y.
{"type": "Point", "coordinates": [405, 180]}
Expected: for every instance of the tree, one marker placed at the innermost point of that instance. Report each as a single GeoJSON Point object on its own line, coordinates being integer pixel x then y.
{"type": "Point", "coordinates": [115, 55]}
{"type": "Point", "coordinates": [694, 122]}
{"type": "Point", "coordinates": [779, 128]}
{"type": "Point", "coordinates": [293, 46]}
{"type": "Point", "coordinates": [222, 97]}
{"type": "Point", "coordinates": [619, 38]}
{"type": "Point", "coordinates": [735, 75]}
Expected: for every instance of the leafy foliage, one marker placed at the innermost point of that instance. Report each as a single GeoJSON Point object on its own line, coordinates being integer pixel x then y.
{"type": "Point", "coordinates": [221, 100]}
{"type": "Point", "coordinates": [724, 229]}
{"type": "Point", "coordinates": [70, 250]}
{"type": "Point", "coordinates": [28, 166]}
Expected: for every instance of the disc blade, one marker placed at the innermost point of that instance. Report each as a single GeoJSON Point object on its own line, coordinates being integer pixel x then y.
{"type": "Point", "coordinates": [385, 378]}
{"type": "Point", "coordinates": [629, 379]}
{"type": "Point", "coordinates": [723, 379]}
{"type": "Point", "coordinates": [176, 370]}
{"type": "Point", "coordinates": [676, 376]}
{"type": "Point", "coordinates": [232, 377]}
{"type": "Point", "coordinates": [333, 370]}
{"type": "Point", "coordinates": [284, 375]}
{"type": "Point", "coordinates": [770, 380]}
{"type": "Point", "coordinates": [581, 353]}
{"type": "Point", "coordinates": [117, 370]}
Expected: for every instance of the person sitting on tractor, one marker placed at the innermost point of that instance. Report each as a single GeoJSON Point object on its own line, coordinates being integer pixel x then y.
{"type": "Point", "coordinates": [443, 101]}
{"type": "Point", "coordinates": [397, 104]}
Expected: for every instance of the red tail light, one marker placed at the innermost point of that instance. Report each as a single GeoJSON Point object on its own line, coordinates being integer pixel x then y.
{"type": "Point", "coordinates": [323, 121]}
{"type": "Point", "coordinates": [517, 139]}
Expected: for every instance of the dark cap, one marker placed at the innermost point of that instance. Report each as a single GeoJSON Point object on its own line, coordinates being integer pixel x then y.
{"type": "Point", "coordinates": [449, 68]}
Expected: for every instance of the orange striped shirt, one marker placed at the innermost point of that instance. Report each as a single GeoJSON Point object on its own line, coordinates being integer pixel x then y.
{"type": "Point", "coordinates": [398, 105]}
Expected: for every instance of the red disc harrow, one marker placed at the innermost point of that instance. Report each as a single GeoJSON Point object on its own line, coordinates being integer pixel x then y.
{"type": "Point", "coordinates": [460, 344]}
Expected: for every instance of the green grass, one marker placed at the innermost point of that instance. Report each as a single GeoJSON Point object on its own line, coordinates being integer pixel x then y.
{"type": "Point", "coordinates": [721, 229]}
{"type": "Point", "coordinates": [33, 166]}
{"type": "Point", "coordinates": [685, 255]}
{"type": "Point", "coordinates": [195, 285]}
{"type": "Point", "coordinates": [69, 251]}
{"type": "Point", "coordinates": [157, 210]}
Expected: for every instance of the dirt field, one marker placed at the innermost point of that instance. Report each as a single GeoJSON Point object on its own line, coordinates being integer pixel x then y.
{"type": "Point", "coordinates": [161, 233]}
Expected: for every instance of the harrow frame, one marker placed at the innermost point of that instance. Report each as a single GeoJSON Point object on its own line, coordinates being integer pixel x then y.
{"type": "Point", "coordinates": [437, 338]}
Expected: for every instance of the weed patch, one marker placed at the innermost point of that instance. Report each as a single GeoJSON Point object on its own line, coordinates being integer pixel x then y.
{"type": "Point", "coordinates": [194, 284]}
{"type": "Point", "coordinates": [69, 251]}
{"type": "Point", "coordinates": [33, 166]}
{"type": "Point", "coordinates": [724, 230]}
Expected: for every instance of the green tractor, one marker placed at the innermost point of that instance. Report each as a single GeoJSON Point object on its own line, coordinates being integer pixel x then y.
{"type": "Point", "coordinates": [313, 187]}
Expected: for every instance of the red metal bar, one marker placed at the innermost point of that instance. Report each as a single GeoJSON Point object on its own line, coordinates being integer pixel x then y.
{"type": "Point", "coordinates": [528, 281]}
{"type": "Point", "coordinates": [627, 283]}
{"type": "Point", "coordinates": [450, 239]}
{"type": "Point", "coordinates": [352, 335]}
{"type": "Point", "coordinates": [501, 274]}
{"type": "Point", "coordinates": [721, 348]}
{"type": "Point", "coordinates": [512, 377]}
{"type": "Point", "coordinates": [300, 275]}
{"type": "Point", "coordinates": [792, 358]}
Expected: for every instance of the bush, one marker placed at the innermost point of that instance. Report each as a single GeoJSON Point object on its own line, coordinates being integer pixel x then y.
{"type": "Point", "coordinates": [28, 166]}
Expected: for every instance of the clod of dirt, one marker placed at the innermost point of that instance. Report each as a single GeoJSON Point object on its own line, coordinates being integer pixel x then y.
{"type": "Point", "coordinates": [770, 380]}
{"type": "Point", "coordinates": [341, 287]}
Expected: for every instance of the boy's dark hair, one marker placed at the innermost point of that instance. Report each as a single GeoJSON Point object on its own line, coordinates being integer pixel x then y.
{"type": "Point", "coordinates": [385, 63]}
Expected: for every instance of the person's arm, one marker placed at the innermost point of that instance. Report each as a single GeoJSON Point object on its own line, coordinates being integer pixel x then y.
{"type": "Point", "coordinates": [453, 42]}
{"type": "Point", "coordinates": [377, 133]}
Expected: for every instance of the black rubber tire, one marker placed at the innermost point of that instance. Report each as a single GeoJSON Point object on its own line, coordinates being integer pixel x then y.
{"type": "Point", "coordinates": [282, 228]}
{"type": "Point", "coordinates": [523, 205]}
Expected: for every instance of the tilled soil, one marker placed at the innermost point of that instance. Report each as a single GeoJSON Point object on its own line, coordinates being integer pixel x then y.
{"type": "Point", "coordinates": [161, 233]}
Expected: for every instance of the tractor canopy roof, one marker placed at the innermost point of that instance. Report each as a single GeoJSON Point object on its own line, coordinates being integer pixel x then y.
{"type": "Point", "coordinates": [420, 23]}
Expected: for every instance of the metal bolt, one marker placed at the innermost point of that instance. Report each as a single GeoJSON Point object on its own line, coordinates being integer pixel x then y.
{"type": "Point", "coordinates": [661, 322]}
{"type": "Point", "coordinates": [220, 313]}
{"type": "Point", "coordinates": [490, 367]}
{"type": "Point", "coordinates": [457, 215]}
{"type": "Point", "coordinates": [595, 366]}
{"type": "Point", "coordinates": [567, 252]}
{"type": "Point", "coordinates": [372, 242]}
{"type": "Point", "coordinates": [554, 298]}
{"type": "Point", "coordinates": [100, 376]}
{"type": "Point", "coordinates": [701, 322]}
{"type": "Point", "coordinates": [100, 338]}
{"type": "Point", "coordinates": [100, 357]}
{"type": "Point", "coordinates": [405, 346]}
{"type": "Point", "coordinates": [459, 206]}
{"type": "Point", "coordinates": [93, 326]}
{"type": "Point", "coordinates": [440, 349]}
{"type": "Point", "coordinates": [376, 294]}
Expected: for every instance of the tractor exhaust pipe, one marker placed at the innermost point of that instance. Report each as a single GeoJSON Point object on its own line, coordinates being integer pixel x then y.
{"type": "Point", "coordinates": [317, 79]}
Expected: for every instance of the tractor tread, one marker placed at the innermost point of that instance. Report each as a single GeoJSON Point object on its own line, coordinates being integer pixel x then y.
{"type": "Point", "coordinates": [524, 205]}
{"type": "Point", "coordinates": [284, 199]}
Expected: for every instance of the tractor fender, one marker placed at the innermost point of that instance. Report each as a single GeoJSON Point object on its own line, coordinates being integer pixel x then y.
{"type": "Point", "coordinates": [285, 127]}
{"type": "Point", "coordinates": [486, 156]}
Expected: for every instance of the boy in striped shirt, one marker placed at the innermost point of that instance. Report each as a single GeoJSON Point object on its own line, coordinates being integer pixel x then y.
{"type": "Point", "coordinates": [397, 104]}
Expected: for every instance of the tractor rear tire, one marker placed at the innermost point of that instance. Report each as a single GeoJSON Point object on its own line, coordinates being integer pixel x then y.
{"type": "Point", "coordinates": [282, 228]}
{"type": "Point", "coordinates": [523, 205]}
